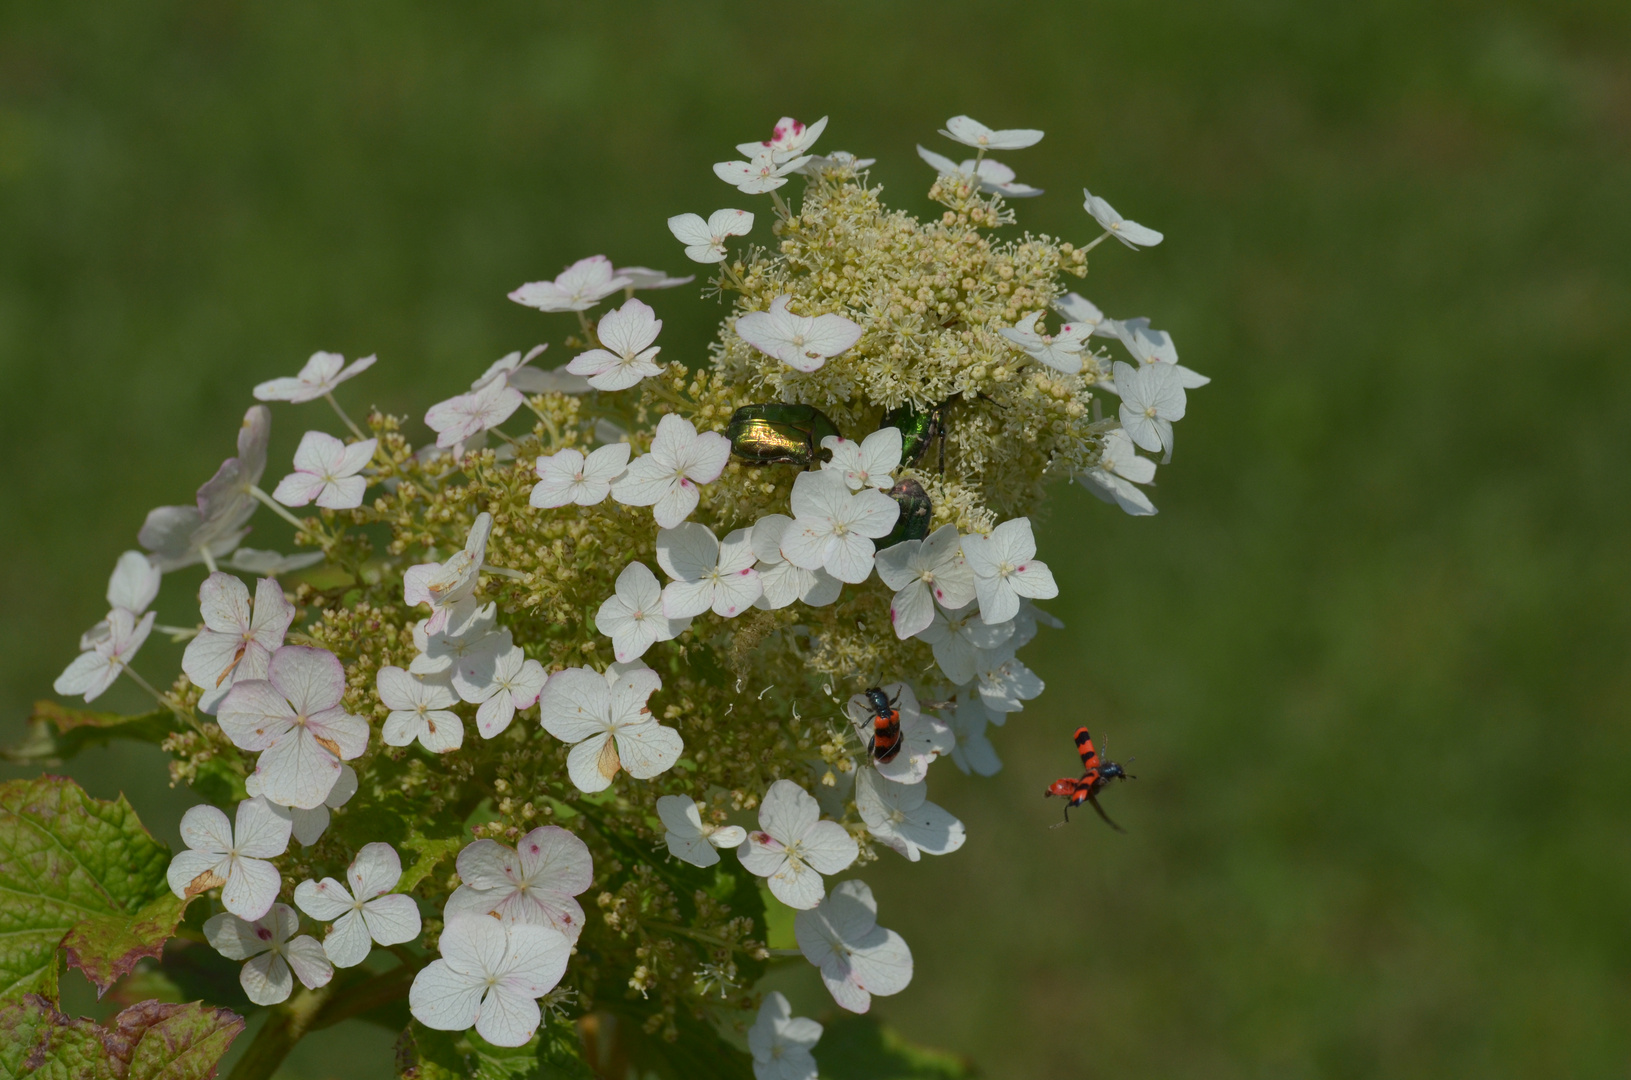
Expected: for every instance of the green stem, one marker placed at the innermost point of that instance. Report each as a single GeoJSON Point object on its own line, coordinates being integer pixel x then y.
{"type": "Point", "coordinates": [277, 508]}
{"type": "Point", "coordinates": [1102, 238]}
{"type": "Point", "coordinates": [355, 430]}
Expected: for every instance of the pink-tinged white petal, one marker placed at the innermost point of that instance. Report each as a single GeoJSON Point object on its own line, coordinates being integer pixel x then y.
{"type": "Point", "coordinates": [205, 828]}
{"type": "Point", "coordinates": [266, 980]}
{"type": "Point", "coordinates": [574, 704]}
{"type": "Point", "coordinates": [324, 900]}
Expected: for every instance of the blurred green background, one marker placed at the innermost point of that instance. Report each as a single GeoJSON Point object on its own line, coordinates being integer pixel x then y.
{"type": "Point", "coordinates": [1372, 656]}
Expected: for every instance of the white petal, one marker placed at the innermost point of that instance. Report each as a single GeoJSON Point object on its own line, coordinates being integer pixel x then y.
{"type": "Point", "coordinates": [444, 999]}
{"type": "Point", "coordinates": [392, 919]}
{"type": "Point", "coordinates": [266, 979]}
{"type": "Point", "coordinates": [348, 943]}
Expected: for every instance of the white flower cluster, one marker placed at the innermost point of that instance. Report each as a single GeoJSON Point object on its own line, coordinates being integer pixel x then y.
{"type": "Point", "coordinates": [510, 926]}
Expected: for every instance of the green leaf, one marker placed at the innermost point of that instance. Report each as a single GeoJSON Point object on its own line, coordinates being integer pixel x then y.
{"type": "Point", "coordinates": [431, 853]}
{"type": "Point", "coordinates": [57, 732]}
{"type": "Point", "coordinates": [862, 1048]}
{"type": "Point", "coordinates": [151, 1040]}
{"type": "Point", "coordinates": [67, 859]}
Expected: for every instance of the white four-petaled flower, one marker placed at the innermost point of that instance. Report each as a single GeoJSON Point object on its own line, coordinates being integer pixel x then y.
{"type": "Point", "coordinates": [513, 682]}
{"type": "Point", "coordinates": [833, 528]}
{"type": "Point", "coordinates": [901, 817]}
{"type": "Point", "coordinates": [461, 418]}
{"type": "Point", "coordinates": [1061, 351]}
{"type": "Point", "coordinates": [706, 573]}
{"type": "Point", "coordinates": [419, 710]}
{"type": "Point", "coordinates": [868, 463]}
{"type": "Point", "coordinates": [802, 342]}
{"type": "Point", "coordinates": [691, 839]}
{"type": "Point", "coordinates": [322, 373]}
{"type": "Point", "coordinates": [567, 476]}
{"type": "Point", "coordinates": [132, 586]}
{"type": "Point", "coordinates": [94, 669]}
{"type": "Point", "coordinates": [238, 638]}
{"type": "Point", "coordinates": [1119, 467]}
{"type": "Point", "coordinates": [705, 240]}
{"type": "Point", "coordinates": [960, 637]}
{"type": "Point", "coordinates": [857, 957]}
{"type": "Point", "coordinates": [606, 718]}
{"type": "Point", "coordinates": [265, 943]}
{"type": "Point", "coordinates": [490, 975]}
{"type": "Point", "coordinates": [633, 615]}
{"type": "Point", "coordinates": [362, 907]}
{"type": "Point", "coordinates": [1152, 398]}
{"type": "Point", "coordinates": [970, 132]}
{"type": "Point", "coordinates": [788, 139]}
{"type": "Point", "coordinates": [783, 581]}
{"type": "Point", "coordinates": [325, 472]}
{"type": "Point", "coordinates": [295, 719]}
{"type": "Point", "coordinates": [1079, 309]}
{"type": "Point", "coordinates": [992, 175]}
{"type": "Point", "coordinates": [627, 354]}
{"type": "Point", "coordinates": [780, 1042]}
{"type": "Point", "coordinates": [1151, 346]}
{"type": "Point", "coordinates": [1006, 568]}
{"type": "Point", "coordinates": [444, 585]}
{"type": "Point", "coordinates": [921, 572]}
{"type": "Point", "coordinates": [793, 846]}
{"type": "Point", "coordinates": [178, 536]}
{"type": "Point", "coordinates": [533, 883]}
{"type": "Point", "coordinates": [644, 277]}
{"type": "Point", "coordinates": [666, 479]}
{"type": "Point", "coordinates": [1130, 233]}
{"type": "Point", "coordinates": [1004, 684]}
{"type": "Point", "coordinates": [579, 287]}
{"type": "Point", "coordinates": [232, 857]}
{"type": "Point", "coordinates": [761, 173]}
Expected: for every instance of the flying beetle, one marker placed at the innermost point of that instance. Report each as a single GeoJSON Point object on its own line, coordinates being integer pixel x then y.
{"type": "Point", "coordinates": [778, 433]}
{"type": "Point", "coordinates": [1097, 774]}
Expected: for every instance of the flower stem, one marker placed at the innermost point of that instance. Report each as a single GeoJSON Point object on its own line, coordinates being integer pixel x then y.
{"type": "Point", "coordinates": [1102, 237]}
{"type": "Point", "coordinates": [355, 430]}
{"type": "Point", "coordinates": [164, 701]}
{"type": "Point", "coordinates": [277, 508]}
{"type": "Point", "coordinates": [209, 560]}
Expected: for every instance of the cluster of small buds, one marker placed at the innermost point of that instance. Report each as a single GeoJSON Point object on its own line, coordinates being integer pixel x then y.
{"type": "Point", "coordinates": [847, 570]}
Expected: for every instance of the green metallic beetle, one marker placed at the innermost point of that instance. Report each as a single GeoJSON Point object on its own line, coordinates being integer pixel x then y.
{"type": "Point", "coordinates": [915, 513]}
{"type": "Point", "coordinates": [919, 428]}
{"type": "Point", "coordinates": [778, 433]}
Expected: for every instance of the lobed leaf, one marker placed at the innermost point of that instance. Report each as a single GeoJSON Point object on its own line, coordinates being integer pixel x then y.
{"type": "Point", "coordinates": [71, 863]}
{"type": "Point", "coordinates": [151, 1040]}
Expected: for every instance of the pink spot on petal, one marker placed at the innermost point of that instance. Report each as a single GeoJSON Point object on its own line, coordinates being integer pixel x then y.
{"type": "Point", "coordinates": [263, 933]}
